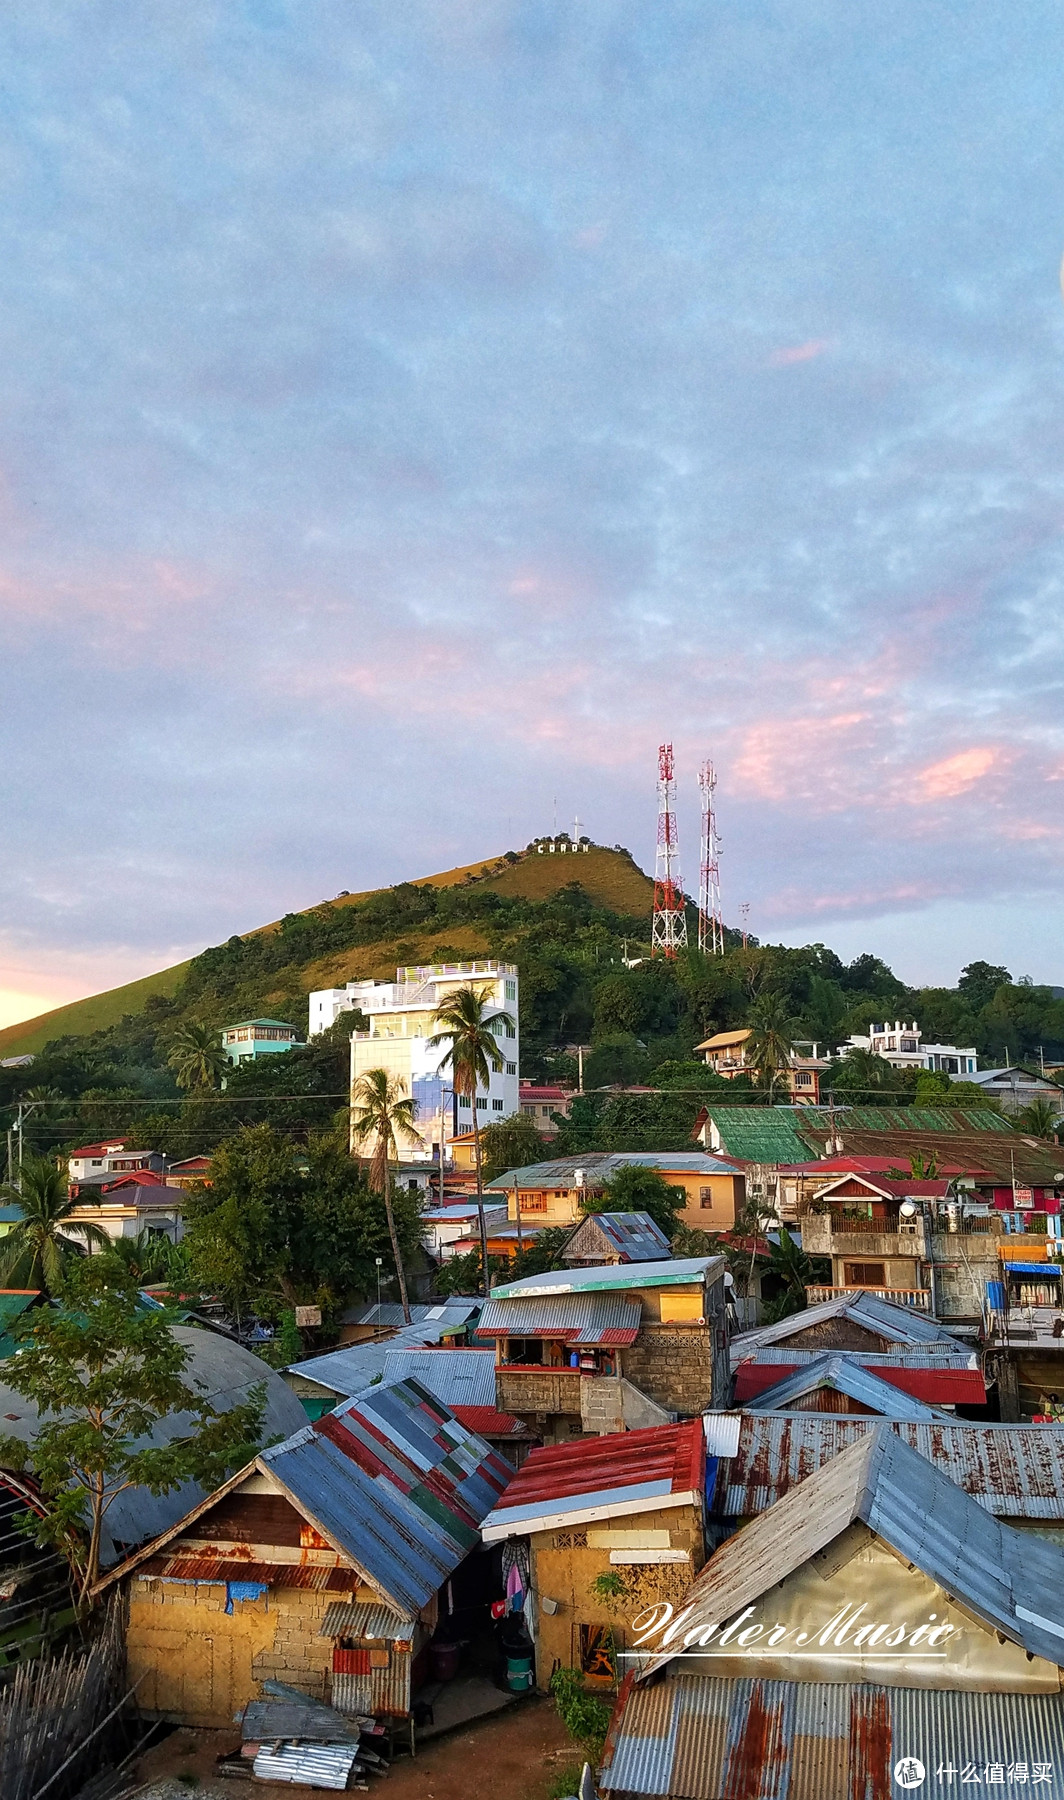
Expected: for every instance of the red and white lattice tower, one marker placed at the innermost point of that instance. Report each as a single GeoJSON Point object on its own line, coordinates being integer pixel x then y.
{"type": "Point", "coordinates": [710, 922]}
{"type": "Point", "coordinates": [669, 931]}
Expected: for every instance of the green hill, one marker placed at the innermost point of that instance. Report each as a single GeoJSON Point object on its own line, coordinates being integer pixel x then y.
{"type": "Point", "coordinates": [609, 877]}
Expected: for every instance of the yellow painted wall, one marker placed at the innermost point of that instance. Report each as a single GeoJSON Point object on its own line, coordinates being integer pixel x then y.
{"type": "Point", "coordinates": [563, 1204]}
{"type": "Point", "coordinates": [565, 1563]}
{"type": "Point", "coordinates": [201, 1664]}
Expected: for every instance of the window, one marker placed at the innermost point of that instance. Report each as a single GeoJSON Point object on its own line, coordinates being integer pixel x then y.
{"type": "Point", "coordinates": [529, 1111]}
{"type": "Point", "coordinates": [496, 1106]}
{"type": "Point", "coordinates": [482, 1102]}
{"type": "Point", "coordinates": [865, 1274]}
{"type": "Point", "coordinates": [908, 1044]}
{"type": "Point", "coordinates": [511, 1068]}
{"type": "Point", "coordinates": [463, 1100]}
{"type": "Point", "coordinates": [96, 1161]}
{"type": "Point", "coordinates": [533, 1202]}
{"type": "Point", "coordinates": [511, 990]}
{"type": "Point", "coordinates": [705, 1199]}
{"type": "Point", "coordinates": [545, 1110]}
{"type": "Point", "coordinates": [803, 1079]}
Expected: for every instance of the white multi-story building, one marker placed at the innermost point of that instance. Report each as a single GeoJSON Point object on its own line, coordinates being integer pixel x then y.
{"type": "Point", "coordinates": [900, 1044]}
{"type": "Point", "coordinates": [401, 1017]}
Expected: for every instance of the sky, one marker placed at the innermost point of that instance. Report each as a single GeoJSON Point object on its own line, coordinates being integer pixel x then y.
{"type": "Point", "coordinates": [412, 412]}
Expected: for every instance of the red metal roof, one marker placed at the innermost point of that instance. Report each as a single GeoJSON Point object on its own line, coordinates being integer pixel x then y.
{"type": "Point", "coordinates": [938, 1387]}
{"type": "Point", "coordinates": [850, 1163]}
{"type": "Point", "coordinates": [622, 1460]}
{"type": "Point", "coordinates": [110, 1147]}
{"type": "Point", "coordinates": [488, 1423]}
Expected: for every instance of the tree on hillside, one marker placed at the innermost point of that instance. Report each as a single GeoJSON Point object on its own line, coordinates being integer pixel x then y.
{"type": "Point", "coordinates": [382, 1114]}
{"type": "Point", "coordinates": [635, 1188]}
{"type": "Point", "coordinates": [103, 1372]}
{"type": "Point", "coordinates": [770, 1044]}
{"type": "Point", "coordinates": [860, 1075]}
{"type": "Point", "coordinates": [463, 1025]}
{"type": "Point", "coordinates": [513, 1143]}
{"type": "Point", "coordinates": [38, 1248]}
{"type": "Point", "coordinates": [196, 1055]}
{"type": "Point", "coordinates": [979, 982]}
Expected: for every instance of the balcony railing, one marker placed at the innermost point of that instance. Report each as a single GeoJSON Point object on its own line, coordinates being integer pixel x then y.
{"type": "Point", "coordinates": [827, 1236]}
{"type": "Point", "coordinates": [918, 1298]}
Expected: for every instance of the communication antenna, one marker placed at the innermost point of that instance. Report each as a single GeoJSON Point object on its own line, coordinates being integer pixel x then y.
{"type": "Point", "coordinates": [669, 929]}
{"type": "Point", "coordinates": [710, 923]}
{"type": "Point", "coordinates": [744, 914]}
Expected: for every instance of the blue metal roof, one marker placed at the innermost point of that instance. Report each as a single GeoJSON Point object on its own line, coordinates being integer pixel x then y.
{"type": "Point", "coordinates": [354, 1368]}
{"type": "Point", "coordinates": [845, 1375]}
{"type": "Point", "coordinates": [633, 1235]}
{"type": "Point", "coordinates": [457, 1377]}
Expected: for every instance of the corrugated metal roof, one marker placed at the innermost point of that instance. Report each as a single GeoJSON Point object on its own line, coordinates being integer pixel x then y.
{"type": "Point", "coordinates": [271, 1719]}
{"type": "Point", "coordinates": [904, 1119]}
{"type": "Point", "coordinates": [309, 1765]}
{"type": "Point", "coordinates": [761, 1134]}
{"type": "Point", "coordinates": [457, 1377]}
{"type": "Point", "coordinates": [1001, 1575]}
{"type": "Point", "coordinates": [560, 1478]}
{"type": "Point", "coordinates": [353, 1369]}
{"type": "Point", "coordinates": [938, 1380]}
{"type": "Point", "coordinates": [389, 1314]}
{"type": "Point", "coordinates": [846, 1376]}
{"type": "Point", "coordinates": [603, 1319]}
{"type": "Point", "coordinates": [217, 1570]}
{"type": "Point", "coordinates": [599, 1165]}
{"type": "Point", "coordinates": [1014, 1471]}
{"type": "Point", "coordinates": [959, 1358]}
{"type": "Point", "coordinates": [679, 1271]}
{"type": "Point", "coordinates": [897, 1324]}
{"type": "Point", "coordinates": [634, 1236]}
{"type": "Point", "coordinates": [365, 1621]}
{"type": "Point", "coordinates": [489, 1422]}
{"type": "Point", "coordinates": [699, 1737]}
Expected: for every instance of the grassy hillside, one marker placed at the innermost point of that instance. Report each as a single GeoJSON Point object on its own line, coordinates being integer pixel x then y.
{"type": "Point", "coordinates": [609, 877]}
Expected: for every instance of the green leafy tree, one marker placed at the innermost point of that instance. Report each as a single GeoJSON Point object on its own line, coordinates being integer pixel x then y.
{"type": "Point", "coordinates": [382, 1114]}
{"type": "Point", "coordinates": [864, 1076]}
{"type": "Point", "coordinates": [463, 1027]}
{"type": "Point", "coordinates": [635, 1188]}
{"type": "Point", "coordinates": [146, 1257]}
{"type": "Point", "coordinates": [196, 1056]}
{"type": "Point", "coordinates": [979, 982]}
{"type": "Point", "coordinates": [38, 1248]}
{"type": "Point", "coordinates": [103, 1372]}
{"type": "Point", "coordinates": [512, 1143]}
{"type": "Point", "coordinates": [794, 1271]}
{"type": "Point", "coordinates": [1040, 1119]}
{"type": "Point", "coordinates": [771, 1042]}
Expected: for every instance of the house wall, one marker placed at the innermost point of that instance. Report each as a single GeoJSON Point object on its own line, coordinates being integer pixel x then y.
{"type": "Point", "coordinates": [565, 1563]}
{"type": "Point", "coordinates": [674, 1365]}
{"type": "Point", "coordinates": [837, 1334]}
{"type": "Point", "coordinates": [201, 1665]}
{"type": "Point", "coordinates": [557, 1205]}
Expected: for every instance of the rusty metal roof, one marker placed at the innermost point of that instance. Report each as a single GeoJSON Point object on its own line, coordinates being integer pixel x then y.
{"type": "Point", "coordinates": [703, 1736]}
{"type": "Point", "coordinates": [1001, 1575]}
{"type": "Point", "coordinates": [367, 1621]}
{"type": "Point", "coordinates": [593, 1477]}
{"type": "Point", "coordinates": [1014, 1471]}
{"type": "Point", "coordinates": [895, 1324]}
{"type": "Point", "coordinates": [590, 1319]}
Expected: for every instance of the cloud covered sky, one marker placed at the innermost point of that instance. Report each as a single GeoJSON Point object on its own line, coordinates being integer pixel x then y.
{"type": "Point", "coordinates": [413, 412]}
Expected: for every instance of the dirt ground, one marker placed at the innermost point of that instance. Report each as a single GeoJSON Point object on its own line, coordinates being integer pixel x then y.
{"type": "Point", "coordinates": [519, 1754]}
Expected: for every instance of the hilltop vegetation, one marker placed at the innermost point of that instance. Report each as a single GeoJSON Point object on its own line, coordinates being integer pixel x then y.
{"type": "Point", "coordinates": [569, 923]}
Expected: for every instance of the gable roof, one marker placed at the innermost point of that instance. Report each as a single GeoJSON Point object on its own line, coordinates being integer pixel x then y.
{"type": "Point", "coordinates": [844, 1375]}
{"type": "Point", "coordinates": [898, 1324]}
{"type": "Point", "coordinates": [942, 1380]}
{"type": "Point", "coordinates": [1014, 1471]}
{"type": "Point", "coordinates": [762, 1134]}
{"type": "Point", "coordinates": [393, 1483]}
{"type": "Point", "coordinates": [608, 1321]}
{"type": "Point", "coordinates": [631, 1471]}
{"type": "Point", "coordinates": [1001, 1576]}
{"type": "Point", "coordinates": [354, 1368]}
{"type": "Point", "coordinates": [633, 1235]}
{"type": "Point", "coordinates": [598, 1166]}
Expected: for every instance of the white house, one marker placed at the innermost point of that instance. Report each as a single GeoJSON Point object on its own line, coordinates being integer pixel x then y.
{"type": "Point", "coordinates": [900, 1045]}
{"type": "Point", "coordinates": [401, 1017]}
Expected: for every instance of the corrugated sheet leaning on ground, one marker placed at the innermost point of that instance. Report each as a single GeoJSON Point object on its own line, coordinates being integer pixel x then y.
{"type": "Point", "coordinates": [1014, 1471]}
{"type": "Point", "coordinates": [702, 1737]}
{"type": "Point", "coordinates": [606, 1320]}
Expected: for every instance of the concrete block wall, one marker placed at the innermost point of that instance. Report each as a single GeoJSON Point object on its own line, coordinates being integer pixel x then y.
{"type": "Point", "coordinates": [673, 1364]}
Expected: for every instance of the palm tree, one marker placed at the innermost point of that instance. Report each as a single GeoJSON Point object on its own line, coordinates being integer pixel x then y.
{"type": "Point", "coordinates": [1040, 1119]}
{"type": "Point", "coordinates": [196, 1055]}
{"type": "Point", "coordinates": [771, 1044]}
{"type": "Point", "coordinates": [37, 1246]}
{"type": "Point", "coordinates": [465, 1027]}
{"type": "Point", "coordinates": [146, 1256]}
{"type": "Point", "coordinates": [381, 1114]}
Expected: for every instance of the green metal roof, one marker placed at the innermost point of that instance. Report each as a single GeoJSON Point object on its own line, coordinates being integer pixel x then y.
{"type": "Point", "coordinates": [763, 1134]}
{"type": "Point", "coordinates": [906, 1118]}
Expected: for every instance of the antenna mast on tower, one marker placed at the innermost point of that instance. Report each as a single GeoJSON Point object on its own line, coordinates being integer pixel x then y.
{"type": "Point", "coordinates": [710, 922]}
{"type": "Point", "coordinates": [669, 930]}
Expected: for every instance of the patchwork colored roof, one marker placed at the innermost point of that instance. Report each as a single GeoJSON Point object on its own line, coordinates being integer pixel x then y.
{"type": "Point", "coordinates": [1013, 1471]}
{"type": "Point", "coordinates": [603, 1477]}
{"type": "Point", "coordinates": [604, 1320]}
{"type": "Point", "coordinates": [634, 1235]}
{"type": "Point", "coordinates": [843, 1375]}
{"type": "Point", "coordinates": [393, 1482]}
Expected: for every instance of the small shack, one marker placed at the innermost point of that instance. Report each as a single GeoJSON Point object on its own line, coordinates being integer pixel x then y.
{"type": "Point", "coordinates": [321, 1565]}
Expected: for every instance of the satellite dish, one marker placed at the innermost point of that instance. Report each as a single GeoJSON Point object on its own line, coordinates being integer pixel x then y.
{"type": "Point", "coordinates": [907, 1209]}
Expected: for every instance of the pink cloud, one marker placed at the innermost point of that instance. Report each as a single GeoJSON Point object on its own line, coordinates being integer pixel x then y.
{"type": "Point", "coordinates": [954, 775]}
{"type": "Point", "coordinates": [799, 353]}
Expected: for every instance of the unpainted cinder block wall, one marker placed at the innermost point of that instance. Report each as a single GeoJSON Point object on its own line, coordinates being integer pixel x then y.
{"type": "Point", "coordinates": [674, 1365]}
{"type": "Point", "coordinates": [201, 1665]}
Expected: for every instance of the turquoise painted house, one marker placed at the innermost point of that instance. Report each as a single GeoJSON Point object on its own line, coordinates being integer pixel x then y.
{"type": "Point", "coordinates": [253, 1038]}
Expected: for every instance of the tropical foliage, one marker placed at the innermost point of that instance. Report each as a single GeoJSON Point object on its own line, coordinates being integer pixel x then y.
{"type": "Point", "coordinates": [383, 1117]}
{"type": "Point", "coordinates": [38, 1249]}
{"type": "Point", "coordinates": [464, 1030]}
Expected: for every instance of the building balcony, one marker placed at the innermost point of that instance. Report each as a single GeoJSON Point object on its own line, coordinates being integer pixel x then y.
{"type": "Point", "coordinates": [533, 1388]}
{"type": "Point", "coordinates": [918, 1298]}
{"type": "Point", "coordinates": [823, 1235]}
